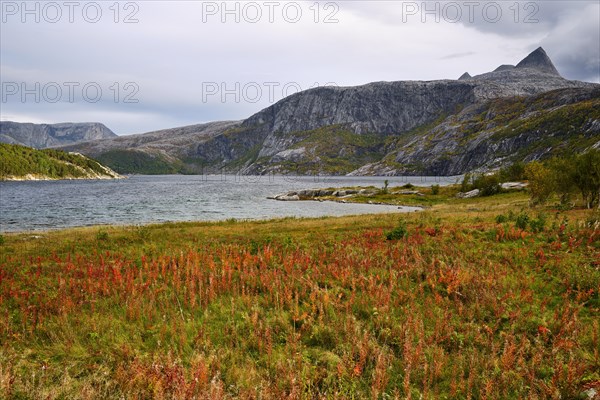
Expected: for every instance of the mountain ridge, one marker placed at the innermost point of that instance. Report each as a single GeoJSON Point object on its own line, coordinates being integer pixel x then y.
{"type": "Point", "coordinates": [364, 129]}
{"type": "Point", "coordinates": [51, 135]}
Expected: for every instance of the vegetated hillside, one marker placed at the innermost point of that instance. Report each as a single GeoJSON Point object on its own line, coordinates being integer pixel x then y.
{"type": "Point", "coordinates": [497, 133]}
{"type": "Point", "coordinates": [50, 135]}
{"type": "Point", "coordinates": [385, 128]}
{"type": "Point", "coordinates": [24, 163]}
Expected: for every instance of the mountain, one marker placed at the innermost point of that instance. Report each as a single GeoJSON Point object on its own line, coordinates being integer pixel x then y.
{"type": "Point", "coordinates": [441, 127]}
{"type": "Point", "coordinates": [24, 163]}
{"type": "Point", "coordinates": [41, 136]}
{"type": "Point", "coordinates": [540, 61]}
{"type": "Point", "coordinates": [166, 151]}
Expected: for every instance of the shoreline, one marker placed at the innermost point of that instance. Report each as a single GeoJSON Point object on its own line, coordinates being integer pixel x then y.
{"type": "Point", "coordinates": [212, 222]}
{"type": "Point", "coordinates": [44, 178]}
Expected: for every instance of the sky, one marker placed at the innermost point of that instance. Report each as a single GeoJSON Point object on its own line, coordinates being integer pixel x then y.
{"type": "Point", "coordinates": [139, 66]}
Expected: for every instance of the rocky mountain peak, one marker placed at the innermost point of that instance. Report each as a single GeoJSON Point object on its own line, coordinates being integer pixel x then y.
{"type": "Point", "coordinates": [540, 61]}
{"type": "Point", "coordinates": [504, 67]}
{"type": "Point", "coordinates": [465, 76]}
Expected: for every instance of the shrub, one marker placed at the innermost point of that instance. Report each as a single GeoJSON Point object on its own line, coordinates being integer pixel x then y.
{"type": "Point", "coordinates": [488, 185]}
{"type": "Point", "coordinates": [1, 240]}
{"type": "Point", "coordinates": [501, 218]}
{"type": "Point", "coordinates": [102, 235]}
{"type": "Point", "coordinates": [514, 172]}
{"type": "Point", "coordinates": [538, 224]}
{"type": "Point", "coordinates": [593, 220]}
{"type": "Point", "coordinates": [522, 221]}
{"type": "Point", "coordinates": [465, 186]}
{"type": "Point", "coordinates": [386, 183]}
{"type": "Point", "coordinates": [435, 189]}
{"type": "Point", "coordinates": [398, 232]}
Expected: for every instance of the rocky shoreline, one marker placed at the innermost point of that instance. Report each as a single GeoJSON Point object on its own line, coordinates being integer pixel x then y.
{"type": "Point", "coordinates": [341, 196]}
{"type": "Point", "coordinates": [32, 177]}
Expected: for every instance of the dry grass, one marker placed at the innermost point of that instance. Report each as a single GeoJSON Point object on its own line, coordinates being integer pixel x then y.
{"type": "Point", "coordinates": [462, 307]}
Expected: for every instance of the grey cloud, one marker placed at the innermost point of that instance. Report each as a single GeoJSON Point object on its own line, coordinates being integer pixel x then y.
{"type": "Point", "coordinates": [457, 55]}
{"type": "Point", "coordinates": [171, 53]}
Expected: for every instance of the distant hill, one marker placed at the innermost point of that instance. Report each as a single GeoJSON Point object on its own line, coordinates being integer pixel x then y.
{"type": "Point", "coordinates": [40, 136]}
{"type": "Point", "coordinates": [24, 163]}
{"type": "Point", "coordinates": [447, 127]}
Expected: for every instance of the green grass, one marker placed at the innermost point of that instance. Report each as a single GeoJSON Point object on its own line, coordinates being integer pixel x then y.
{"type": "Point", "coordinates": [137, 162]}
{"type": "Point", "coordinates": [461, 307]}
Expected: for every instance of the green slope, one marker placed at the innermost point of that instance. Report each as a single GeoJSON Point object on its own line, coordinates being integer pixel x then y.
{"type": "Point", "coordinates": [17, 162]}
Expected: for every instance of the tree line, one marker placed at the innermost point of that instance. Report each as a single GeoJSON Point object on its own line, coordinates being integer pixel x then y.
{"type": "Point", "coordinates": [566, 177]}
{"type": "Point", "coordinates": [569, 177]}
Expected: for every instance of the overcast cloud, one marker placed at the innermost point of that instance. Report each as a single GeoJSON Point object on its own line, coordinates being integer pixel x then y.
{"type": "Point", "coordinates": [167, 64]}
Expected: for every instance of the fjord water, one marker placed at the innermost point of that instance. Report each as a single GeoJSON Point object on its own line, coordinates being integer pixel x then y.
{"type": "Point", "coordinates": [40, 205]}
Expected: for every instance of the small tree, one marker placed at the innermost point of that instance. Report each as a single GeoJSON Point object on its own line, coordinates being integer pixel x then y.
{"type": "Point", "coordinates": [540, 182]}
{"type": "Point", "coordinates": [561, 178]}
{"type": "Point", "coordinates": [386, 183]}
{"type": "Point", "coordinates": [465, 186]}
{"type": "Point", "coordinates": [586, 177]}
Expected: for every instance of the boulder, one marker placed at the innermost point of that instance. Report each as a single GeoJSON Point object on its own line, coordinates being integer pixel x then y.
{"type": "Point", "coordinates": [468, 195]}
{"type": "Point", "coordinates": [287, 197]}
{"type": "Point", "coordinates": [514, 185]}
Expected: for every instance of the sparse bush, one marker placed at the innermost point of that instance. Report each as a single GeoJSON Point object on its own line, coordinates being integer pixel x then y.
{"type": "Point", "coordinates": [512, 173]}
{"type": "Point", "coordinates": [522, 221]}
{"type": "Point", "coordinates": [501, 218]}
{"type": "Point", "coordinates": [593, 220]}
{"type": "Point", "coordinates": [488, 184]}
{"type": "Point", "coordinates": [398, 232]}
{"type": "Point", "coordinates": [386, 183]}
{"type": "Point", "coordinates": [465, 185]}
{"type": "Point", "coordinates": [538, 224]}
{"type": "Point", "coordinates": [102, 235]}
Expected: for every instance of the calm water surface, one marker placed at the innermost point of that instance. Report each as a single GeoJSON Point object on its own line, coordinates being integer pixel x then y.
{"type": "Point", "coordinates": [150, 199]}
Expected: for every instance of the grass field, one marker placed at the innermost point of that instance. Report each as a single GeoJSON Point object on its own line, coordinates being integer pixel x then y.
{"type": "Point", "coordinates": [477, 299]}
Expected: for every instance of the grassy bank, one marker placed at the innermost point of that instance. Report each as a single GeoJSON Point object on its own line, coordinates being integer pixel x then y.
{"type": "Point", "coordinates": [479, 298]}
